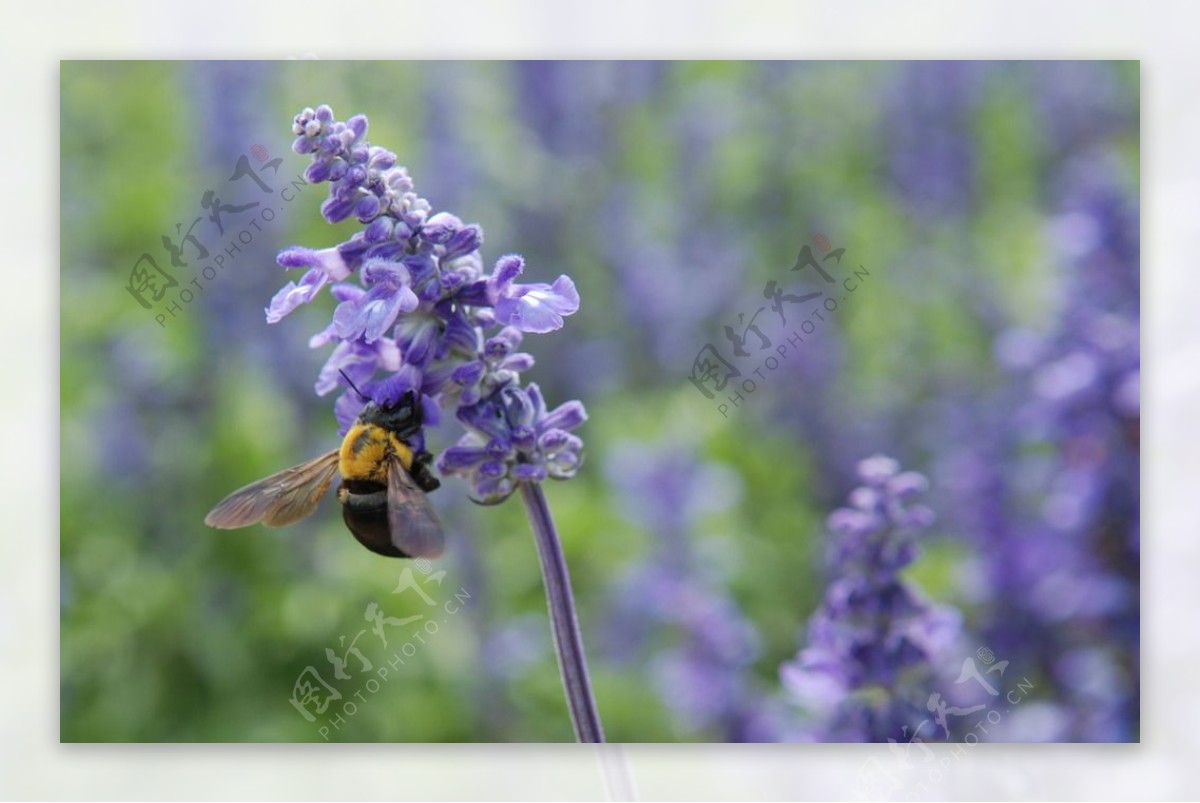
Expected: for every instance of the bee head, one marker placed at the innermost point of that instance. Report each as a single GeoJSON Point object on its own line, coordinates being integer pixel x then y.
{"type": "Point", "coordinates": [402, 415]}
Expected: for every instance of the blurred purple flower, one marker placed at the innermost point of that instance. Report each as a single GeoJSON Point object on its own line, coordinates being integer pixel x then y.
{"type": "Point", "coordinates": [874, 644]}
{"type": "Point", "coordinates": [1046, 477]}
{"type": "Point", "coordinates": [705, 676]}
{"type": "Point", "coordinates": [1072, 569]}
{"type": "Point", "coordinates": [928, 115]}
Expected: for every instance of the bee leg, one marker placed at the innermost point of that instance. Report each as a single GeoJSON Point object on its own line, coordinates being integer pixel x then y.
{"type": "Point", "coordinates": [422, 474]}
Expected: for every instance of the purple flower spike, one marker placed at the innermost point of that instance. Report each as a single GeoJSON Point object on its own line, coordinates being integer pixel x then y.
{"type": "Point", "coordinates": [432, 322]}
{"type": "Point", "coordinates": [874, 643]}
{"type": "Point", "coordinates": [426, 304]}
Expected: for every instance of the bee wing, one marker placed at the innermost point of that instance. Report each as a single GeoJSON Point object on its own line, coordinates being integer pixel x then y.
{"type": "Point", "coordinates": [280, 499]}
{"type": "Point", "coordinates": [414, 525]}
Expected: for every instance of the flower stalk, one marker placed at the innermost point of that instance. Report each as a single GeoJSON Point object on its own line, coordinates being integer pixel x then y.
{"type": "Point", "coordinates": [568, 644]}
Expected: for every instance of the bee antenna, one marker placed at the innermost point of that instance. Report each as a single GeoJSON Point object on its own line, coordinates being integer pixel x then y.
{"type": "Point", "coordinates": [361, 395]}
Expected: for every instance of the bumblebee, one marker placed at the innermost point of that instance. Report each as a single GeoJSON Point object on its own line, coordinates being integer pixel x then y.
{"type": "Point", "coordinates": [383, 489]}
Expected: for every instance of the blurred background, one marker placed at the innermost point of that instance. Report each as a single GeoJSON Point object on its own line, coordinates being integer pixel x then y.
{"type": "Point", "coordinates": [992, 345]}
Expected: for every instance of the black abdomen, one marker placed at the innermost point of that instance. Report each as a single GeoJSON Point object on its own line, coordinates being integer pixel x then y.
{"type": "Point", "coordinates": [365, 511]}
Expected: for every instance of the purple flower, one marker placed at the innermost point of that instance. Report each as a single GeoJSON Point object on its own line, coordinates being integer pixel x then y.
{"type": "Point", "coordinates": [704, 677]}
{"type": "Point", "coordinates": [668, 488]}
{"type": "Point", "coordinates": [929, 135]}
{"type": "Point", "coordinates": [535, 308]}
{"type": "Point", "coordinates": [512, 438]}
{"type": "Point", "coordinates": [1058, 482]}
{"type": "Point", "coordinates": [498, 365]}
{"type": "Point", "coordinates": [325, 266]}
{"type": "Point", "coordinates": [373, 314]}
{"type": "Point", "coordinates": [873, 644]}
{"type": "Point", "coordinates": [359, 360]}
{"type": "Point", "coordinates": [426, 316]}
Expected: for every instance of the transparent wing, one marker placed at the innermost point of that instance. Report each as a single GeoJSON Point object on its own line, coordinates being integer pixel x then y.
{"type": "Point", "coordinates": [414, 525]}
{"type": "Point", "coordinates": [279, 499]}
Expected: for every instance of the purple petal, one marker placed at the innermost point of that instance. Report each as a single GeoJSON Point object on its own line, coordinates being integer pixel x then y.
{"type": "Point", "coordinates": [538, 308]}
{"type": "Point", "coordinates": [417, 338]}
{"type": "Point", "coordinates": [358, 125]}
{"type": "Point", "coordinates": [566, 416]}
{"type": "Point", "coordinates": [329, 377]}
{"type": "Point", "coordinates": [436, 376]}
{"type": "Point", "coordinates": [330, 260]}
{"type": "Point", "coordinates": [529, 471]}
{"type": "Point", "coordinates": [381, 229]}
{"type": "Point", "coordinates": [353, 249]}
{"type": "Point", "coordinates": [460, 334]}
{"type": "Point", "coordinates": [554, 440]}
{"type": "Point", "coordinates": [564, 464]}
{"type": "Point", "coordinates": [567, 297]}
{"type": "Point", "coordinates": [325, 336]}
{"type": "Point", "coordinates": [469, 374]}
{"type": "Point", "coordinates": [345, 317]}
{"type": "Point", "coordinates": [376, 271]}
{"type": "Point", "coordinates": [539, 403]}
{"type": "Point", "coordinates": [521, 409]}
{"type": "Point", "coordinates": [507, 268]}
{"type": "Point", "coordinates": [318, 171]}
{"type": "Point", "coordinates": [518, 362]}
{"type": "Point", "coordinates": [464, 241]}
{"type": "Point", "coordinates": [475, 294]}
{"type": "Point", "coordinates": [380, 158]}
{"type": "Point", "coordinates": [440, 228]}
{"type": "Point", "coordinates": [347, 292]}
{"type": "Point", "coordinates": [877, 469]}
{"type": "Point", "coordinates": [492, 492]}
{"type": "Point", "coordinates": [492, 469]}
{"type": "Point", "coordinates": [486, 418]}
{"type": "Point", "coordinates": [431, 411]}
{"type": "Point", "coordinates": [346, 409]}
{"type": "Point", "coordinates": [391, 390]}
{"type": "Point", "coordinates": [846, 521]}
{"type": "Point", "coordinates": [499, 346]}
{"type": "Point", "coordinates": [908, 484]}
{"type": "Point", "coordinates": [523, 437]}
{"type": "Point", "coordinates": [377, 314]}
{"type": "Point", "coordinates": [367, 209]}
{"type": "Point", "coordinates": [293, 295]}
{"type": "Point", "coordinates": [460, 458]}
{"type": "Point", "coordinates": [335, 210]}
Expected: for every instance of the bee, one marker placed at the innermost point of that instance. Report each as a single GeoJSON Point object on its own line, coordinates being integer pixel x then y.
{"type": "Point", "coordinates": [383, 489]}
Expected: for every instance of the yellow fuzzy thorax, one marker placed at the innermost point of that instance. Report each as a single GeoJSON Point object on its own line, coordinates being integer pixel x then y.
{"type": "Point", "coordinates": [364, 453]}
